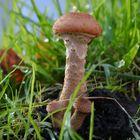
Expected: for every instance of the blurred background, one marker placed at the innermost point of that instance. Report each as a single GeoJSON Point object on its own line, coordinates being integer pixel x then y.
{"type": "Point", "coordinates": [43, 5]}
{"type": "Point", "coordinates": [26, 27]}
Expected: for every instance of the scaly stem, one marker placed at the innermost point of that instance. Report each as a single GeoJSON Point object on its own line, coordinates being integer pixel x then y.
{"type": "Point", "coordinates": [76, 50]}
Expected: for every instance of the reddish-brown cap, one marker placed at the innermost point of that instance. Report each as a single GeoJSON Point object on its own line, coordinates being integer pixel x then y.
{"type": "Point", "coordinates": [77, 23]}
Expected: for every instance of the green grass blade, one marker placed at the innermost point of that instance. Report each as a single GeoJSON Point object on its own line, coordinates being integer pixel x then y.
{"type": "Point", "coordinates": [35, 127]}
{"type": "Point", "coordinates": [91, 122]}
{"type": "Point", "coordinates": [4, 89]}
{"type": "Point", "coordinates": [128, 58]}
{"type": "Point", "coordinates": [32, 90]}
{"type": "Point", "coordinates": [57, 6]}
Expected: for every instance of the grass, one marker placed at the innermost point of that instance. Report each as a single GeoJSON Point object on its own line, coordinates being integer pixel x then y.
{"type": "Point", "coordinates": [114, 57]}
{"type": "Point", "coordinates": [91, 122]}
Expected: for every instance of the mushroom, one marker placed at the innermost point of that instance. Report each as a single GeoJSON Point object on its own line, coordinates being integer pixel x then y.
{"type": "Point", "coordinates": [82, 107]}
{"type": "Point", "coordinates": [77, 30]}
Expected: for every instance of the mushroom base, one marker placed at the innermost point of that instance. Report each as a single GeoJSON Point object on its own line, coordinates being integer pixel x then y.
{"type": "Point", "coordinates": [109, 119]}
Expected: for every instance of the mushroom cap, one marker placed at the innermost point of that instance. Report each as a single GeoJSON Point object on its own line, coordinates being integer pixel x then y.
{"type": "Point", "coordinates": [77, 23]}
{"type": "Point", "coordinates": [82, 105]}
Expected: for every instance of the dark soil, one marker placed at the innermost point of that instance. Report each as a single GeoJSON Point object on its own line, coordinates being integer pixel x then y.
{"type": "Point", "coordinates": [110, 120]}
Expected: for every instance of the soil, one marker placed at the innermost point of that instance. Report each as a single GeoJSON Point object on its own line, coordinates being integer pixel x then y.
{"type": "Point", "coordinates": [111, 121]}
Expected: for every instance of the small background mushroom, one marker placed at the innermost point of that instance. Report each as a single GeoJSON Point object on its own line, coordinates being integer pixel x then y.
{"type": "Point", "coordinates": [9, 58]}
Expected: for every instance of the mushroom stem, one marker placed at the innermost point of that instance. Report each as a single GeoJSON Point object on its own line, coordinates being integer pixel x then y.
{"type": "Point", "coordinates": [76, 50]}
{"type": "Point", "coordinates": [57, 117]}
{"type": "Point", "coordinates": [77, 119]}
{"type": "Point", "coordinates": [82, 108]}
